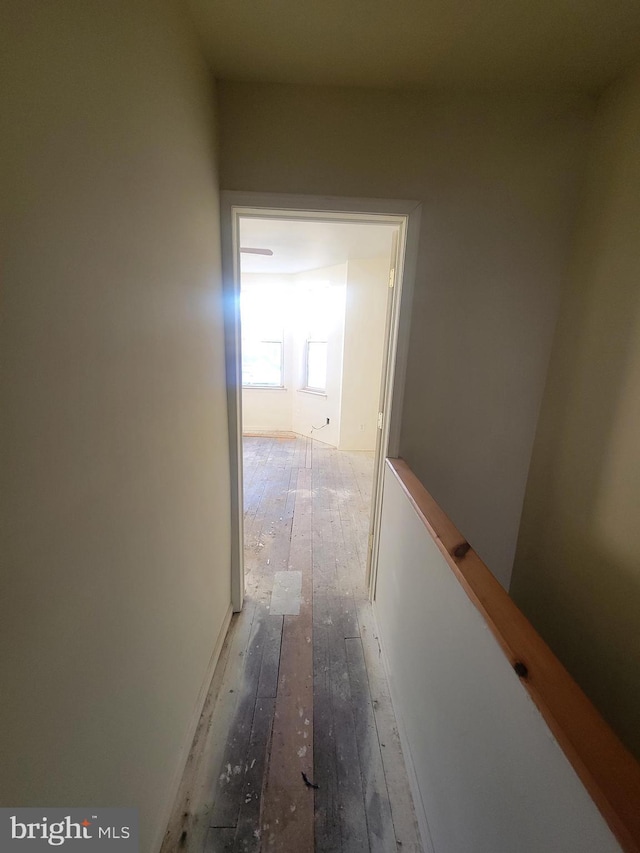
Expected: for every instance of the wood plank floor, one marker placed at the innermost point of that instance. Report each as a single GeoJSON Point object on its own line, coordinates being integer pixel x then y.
{"type": "Point", "coordinates": [299, 749]}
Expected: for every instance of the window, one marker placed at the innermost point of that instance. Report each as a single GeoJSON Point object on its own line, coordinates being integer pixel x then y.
{"type": "Point", "coordinates": [318, 312]}
{"type": "Point", "coordinates": [262, 312]}
{"type": "Point", "coordinates": [316, 366]}
{"type": "Point", "coordinates": [262, 363]}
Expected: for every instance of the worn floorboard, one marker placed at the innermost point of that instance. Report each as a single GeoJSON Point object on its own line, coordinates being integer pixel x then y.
{"type": "Point", "coordinates": [376, 795]}
{"type": "Point", "coordinates": [287, 819]}
{"type": "Point", "coordinates": [247, 837]}
{"type": "Point", "coordinates": [306, 693]}
{"type": "Point", "coordinates": [220, 840]}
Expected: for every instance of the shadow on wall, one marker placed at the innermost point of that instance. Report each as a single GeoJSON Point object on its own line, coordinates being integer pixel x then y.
{"type": "Point", "coordinates": [577, 568]}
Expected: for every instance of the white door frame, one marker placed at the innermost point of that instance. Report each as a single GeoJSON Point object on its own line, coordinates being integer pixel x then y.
{"type": "Point", "coordinates": [406, 214]}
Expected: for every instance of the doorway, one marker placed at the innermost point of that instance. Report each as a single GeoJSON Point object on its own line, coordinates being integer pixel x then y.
{"type": "Point", "coordinates": [305, 745]}
{"type": "Point", "coordinates": [293, 381]}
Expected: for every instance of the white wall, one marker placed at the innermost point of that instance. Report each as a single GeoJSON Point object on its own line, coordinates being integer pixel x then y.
{"type": "Point", "coordinates": [266, 409]}
{"type": "Point", "coordinates": [115, 503]}
{"type": "Point", "coordinates": [491, 777]}
{"type": "Point", "coordinates": [365, 317]}
{"type": "Point", "coordinates": [577, 570]}
{"type": "Point", "coordinates": [498, 179]}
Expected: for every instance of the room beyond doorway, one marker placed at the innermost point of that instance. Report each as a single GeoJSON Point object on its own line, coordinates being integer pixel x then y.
{"type": "Point", "coordinates": [316, 306]}
{"type": "Point", "coordinates": [404, 216]}
{"type": "Point", "coordinates": [314, 309]}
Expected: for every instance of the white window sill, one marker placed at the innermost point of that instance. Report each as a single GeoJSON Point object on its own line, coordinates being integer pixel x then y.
{"type": "Point", "coordinates": [264, 388]}
{"type": "Point", "coordinates": [311, 391]}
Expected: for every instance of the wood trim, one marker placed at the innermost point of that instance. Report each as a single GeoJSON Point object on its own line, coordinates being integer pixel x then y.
{"type": "Point", "coordinates": [171, 824]}
{"type": "Point", "coordinates": [405, 213]}
{"type": "Point", "coordinates": [233, 364]}
{"type": "Point", "coordinates": [606, 768]}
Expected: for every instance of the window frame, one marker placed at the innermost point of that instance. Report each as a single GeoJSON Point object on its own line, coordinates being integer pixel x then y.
{"type": "Point", "coordinates": [268, 385]}
{"type": "Point", "coordinates": [260, 338]}
{"type": "Point", "coordinates": [312, 389]}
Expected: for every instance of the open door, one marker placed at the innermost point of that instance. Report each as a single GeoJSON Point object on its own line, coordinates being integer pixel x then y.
{"type": "Point", "coordinates": [386, 388]}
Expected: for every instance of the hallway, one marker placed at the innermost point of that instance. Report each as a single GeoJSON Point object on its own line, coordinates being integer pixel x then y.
{"type": "Point", "coordinates": [300, 685]}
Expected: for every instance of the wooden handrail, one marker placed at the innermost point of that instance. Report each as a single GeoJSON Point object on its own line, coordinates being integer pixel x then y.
{"type": "Point", "coordinates": [606, 768]}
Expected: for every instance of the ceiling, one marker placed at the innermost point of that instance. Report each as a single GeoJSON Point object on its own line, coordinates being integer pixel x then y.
{"type": "Point", "coordinates": [299, 246]}
{"type": "Point", "coordinates": [477, 44]}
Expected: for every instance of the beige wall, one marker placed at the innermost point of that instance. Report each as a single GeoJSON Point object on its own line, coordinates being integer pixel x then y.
{"type": "Point", "coordinates": [114, 435]}
{"type": "Point", "coordinates": [577, 572]}
{"type": "Point", "coordinates": [497, 177]}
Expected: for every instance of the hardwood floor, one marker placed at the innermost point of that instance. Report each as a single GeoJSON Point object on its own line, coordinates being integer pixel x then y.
{"type": "Point", "coordinates": [298, 748]}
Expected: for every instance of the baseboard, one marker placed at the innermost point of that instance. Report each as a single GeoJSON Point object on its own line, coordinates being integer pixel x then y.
{"type": "Point", "coordinates": [249, 432]}
{"type": "Point", "coordinates": [191, 732]}
{"type": "Point", "coordinates": [418, 804]}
